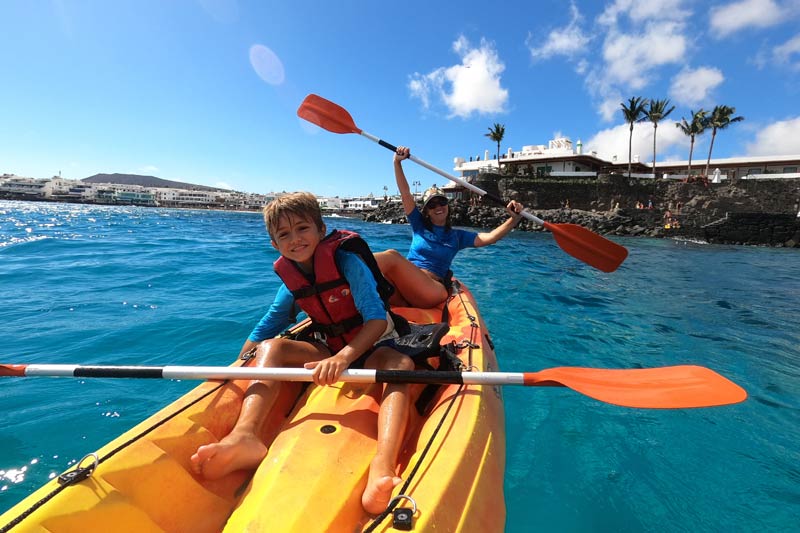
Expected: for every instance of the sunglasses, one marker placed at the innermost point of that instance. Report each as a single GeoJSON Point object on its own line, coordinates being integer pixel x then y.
{"type": "Point", "coordinates": [437, 202]}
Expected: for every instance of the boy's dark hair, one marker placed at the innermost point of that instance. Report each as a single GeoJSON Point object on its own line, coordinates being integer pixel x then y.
{"type": "Point", "coordinates": [301, 204]}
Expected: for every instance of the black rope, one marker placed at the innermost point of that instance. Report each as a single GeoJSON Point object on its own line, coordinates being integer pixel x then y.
{"type": "Point", "coordinates": [380, 518]}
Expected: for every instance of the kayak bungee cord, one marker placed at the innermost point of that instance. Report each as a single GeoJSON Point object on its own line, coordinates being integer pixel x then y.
{"type": "Point", "coordinates": [402, 494]}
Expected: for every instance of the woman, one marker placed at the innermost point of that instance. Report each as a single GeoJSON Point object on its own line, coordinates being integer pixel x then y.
{"type": "Point", "coordinates": [421, 279]}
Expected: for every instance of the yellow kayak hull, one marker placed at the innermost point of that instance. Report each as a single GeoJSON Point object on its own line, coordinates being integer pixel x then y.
{"type": "Point", "coordinates": [321, 441]}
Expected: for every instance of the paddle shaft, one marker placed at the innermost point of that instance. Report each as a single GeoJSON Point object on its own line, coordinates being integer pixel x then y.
{"type": "Point", "coordinates": [278, 374]}
{"type": "Point", "coordinates": [463, 183]}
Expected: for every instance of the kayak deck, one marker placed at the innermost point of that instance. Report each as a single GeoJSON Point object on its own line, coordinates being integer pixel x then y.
{"type": "Point", "coordinates": [321, 441]}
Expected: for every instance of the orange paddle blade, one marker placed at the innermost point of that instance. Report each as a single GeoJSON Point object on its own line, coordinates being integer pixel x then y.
{"type": "Point", "coordinates": [588, 246]}
{"type": "Point", "coordinates": [16, 371]}
{"type": "Point", "coordinates": [327, 115]}
{"type": "Point", "coordinates": [670, 387]}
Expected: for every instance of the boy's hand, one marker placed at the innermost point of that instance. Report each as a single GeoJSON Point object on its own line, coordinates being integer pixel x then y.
{"type": "Point", "coordinates": [327, 371]}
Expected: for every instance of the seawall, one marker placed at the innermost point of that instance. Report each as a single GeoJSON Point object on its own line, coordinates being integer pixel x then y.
{"type": "Point", "coordinates": [752, 212]}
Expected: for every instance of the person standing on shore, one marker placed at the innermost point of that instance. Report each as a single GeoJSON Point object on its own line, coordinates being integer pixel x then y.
{"type": "Point", "coordinates": [423, 278]}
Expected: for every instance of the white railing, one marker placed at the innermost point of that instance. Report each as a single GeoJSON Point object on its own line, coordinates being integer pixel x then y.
{"type": "Point", "coordinates": [788, 175]}
{"type": "Point", "coordinates": [722, 177]}
{"type": "Point", "coordinates": [573, 173]}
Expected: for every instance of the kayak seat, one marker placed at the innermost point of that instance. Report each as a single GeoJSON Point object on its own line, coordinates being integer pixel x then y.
{"type": "Point", "coordinates": [423, 344]}
{"type": "Point", "coordinates": [423, 341]}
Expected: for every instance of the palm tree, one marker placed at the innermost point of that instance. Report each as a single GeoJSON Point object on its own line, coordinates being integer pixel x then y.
{"type": "Point", "coordinates": [693, 129]}
{"type": "Point", "coordinates": [720, 119]}
{"type": "Point", "coordinates": [496, 134]}
{"type": "Point", "coordinates": [657, 110]}
{"type": "Point", "coordinates": [633, 112]}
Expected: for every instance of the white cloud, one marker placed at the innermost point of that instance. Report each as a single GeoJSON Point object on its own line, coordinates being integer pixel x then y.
{"type": "Point", "coordinates": [642, 10]}
{"type": "Point", "coordinates": [631, 58]}
{"type": "Point", "coordinates": [779, 138]}
{"type": "Point", "coordinates": [788, 53]}
{"type": "Point", "coordinates": [223, 185]}
{"type": "Point", "coordinates": [150, 169]}
{"type": "Point", "coordinates": [641, 37]}
{"type": "Point", "coordinates": [610, 106]}
{"type": "Point", "coordinates": [568, 41]}
{"type": "Point", "coordinates": [614, 141]}
{"type": "Point", "coordinates": [640, 40]}
{"type": "Point", "coordinates": [694, 86]}
{"type": "Point", "coordinates": [737, 16]}
{"type": "Point", "coordinates": [630, 61]}
{"type": "Point", "coordinates": [473, 86]}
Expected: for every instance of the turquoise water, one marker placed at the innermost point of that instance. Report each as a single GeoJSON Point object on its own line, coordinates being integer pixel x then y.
{"type": "Point", "coordinates": [109, 285]}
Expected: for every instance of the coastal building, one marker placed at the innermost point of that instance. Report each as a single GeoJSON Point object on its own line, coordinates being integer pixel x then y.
{"type": "Point", "coordinates": [23, 187]}
{"type": "Point", "coordinates": [247, 201]}
{"type": "Point", "coordinates": [361, 203]}
{"type": "Point", "coordinates": [171, 197]}
{"type": "Point", "coordinates": [81, 192]}
{"type": "Point", "coordinates": [559, 159]}
{"type": "Point", "coordinates": [330, 204]}
{"type": "Point", "coordinates": [753, 167]}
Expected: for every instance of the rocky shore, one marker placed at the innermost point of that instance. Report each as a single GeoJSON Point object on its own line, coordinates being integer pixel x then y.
{"type": "Point", "coordinates": [746, 213]}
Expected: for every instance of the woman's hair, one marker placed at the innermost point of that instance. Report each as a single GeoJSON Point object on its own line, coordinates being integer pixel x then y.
{"type": "Point", "coordinates": [301, 204]}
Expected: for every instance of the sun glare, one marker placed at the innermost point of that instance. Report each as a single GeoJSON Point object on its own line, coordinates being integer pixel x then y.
{"type": "Point", "coordinates": [267, 64]}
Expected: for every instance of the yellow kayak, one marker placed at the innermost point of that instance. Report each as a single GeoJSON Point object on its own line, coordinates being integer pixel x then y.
{"type": "Point", "coordinates": [320, 439]}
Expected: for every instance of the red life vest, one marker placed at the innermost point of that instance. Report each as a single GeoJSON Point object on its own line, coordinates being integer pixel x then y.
{"type": "Point", "coordinates": [325, 295]}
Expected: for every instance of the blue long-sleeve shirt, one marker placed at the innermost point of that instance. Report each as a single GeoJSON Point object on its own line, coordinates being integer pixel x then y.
{"type": "Point", "coordinates": [284, 310]}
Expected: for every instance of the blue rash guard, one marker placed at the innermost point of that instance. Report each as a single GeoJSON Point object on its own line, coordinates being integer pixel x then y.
{"type": "Point", "coordinates": [435, 249]}
{"type": "Point", "coordinates": [283, 311]}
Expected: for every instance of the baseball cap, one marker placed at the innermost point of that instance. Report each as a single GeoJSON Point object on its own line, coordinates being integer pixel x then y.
{"type": "Point", "coordinates": [432, 193]}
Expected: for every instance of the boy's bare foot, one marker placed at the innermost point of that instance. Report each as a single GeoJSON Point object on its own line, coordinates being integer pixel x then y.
{"type": "Point", "coordinates": [237, 451]}
{"type": "Point", "coordinates": [378, 493]}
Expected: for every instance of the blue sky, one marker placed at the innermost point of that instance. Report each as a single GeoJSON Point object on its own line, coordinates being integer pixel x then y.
{"type": "Point", "coordinates": [206, 91]}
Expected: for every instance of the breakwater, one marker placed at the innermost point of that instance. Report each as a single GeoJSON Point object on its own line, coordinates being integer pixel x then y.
{"type": "Point", "coordinates": [750, 212]}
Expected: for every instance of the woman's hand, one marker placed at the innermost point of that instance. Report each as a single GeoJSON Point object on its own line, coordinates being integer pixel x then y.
{"type": "Point", "coordinates": [403, 152]}
{"type": "Point", "coordinates": [514, 209]}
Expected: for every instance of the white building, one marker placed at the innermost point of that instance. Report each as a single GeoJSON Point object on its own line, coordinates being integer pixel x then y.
{"type": "Point", "coordinates": [328, 203]}
{"type": "Point", "coordinates": [25, 187]}
{"type": "Point", "coordinates": [557, 158]}
{"type": "Point", "coordinates": [169, 197]}
{"type": "Point", "coordinates": [752, 167]}
{"type": "Point", "coordinates": [361, 203]}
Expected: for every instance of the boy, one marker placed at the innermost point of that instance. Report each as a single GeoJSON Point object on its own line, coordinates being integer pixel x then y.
{"type": "Point", "coordinates": [358, 334]}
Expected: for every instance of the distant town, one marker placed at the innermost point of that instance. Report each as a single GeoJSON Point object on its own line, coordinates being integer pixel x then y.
{"type": "Point", "coordinates": [120, 190]}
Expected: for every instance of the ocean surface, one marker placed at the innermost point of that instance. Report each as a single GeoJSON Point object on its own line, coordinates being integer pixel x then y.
{"type": "Point", "coordinates": [127, 285]}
